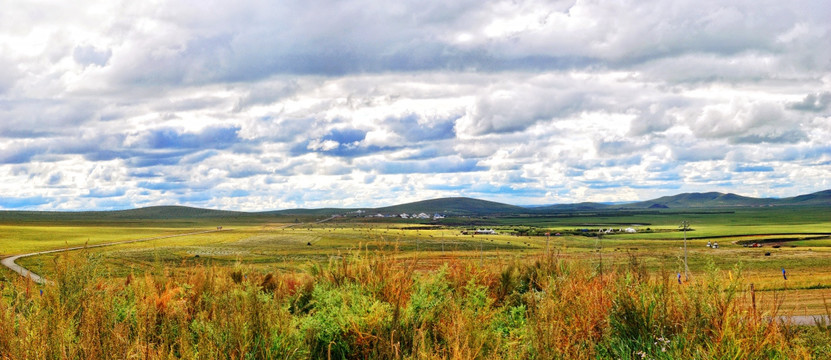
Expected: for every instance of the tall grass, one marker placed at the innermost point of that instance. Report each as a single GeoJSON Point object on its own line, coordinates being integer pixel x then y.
{"type": "Point", "coordinates": [369, 305]}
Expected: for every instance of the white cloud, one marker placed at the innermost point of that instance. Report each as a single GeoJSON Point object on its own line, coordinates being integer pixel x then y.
{"type": "Point", "coordinates": [261, 105]}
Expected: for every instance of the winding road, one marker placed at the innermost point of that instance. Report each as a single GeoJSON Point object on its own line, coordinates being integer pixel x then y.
{"type": "Point", "coordinates": [9, 262]}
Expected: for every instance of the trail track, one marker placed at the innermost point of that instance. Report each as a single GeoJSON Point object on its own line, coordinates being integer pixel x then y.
{"type": "Point", "coordinates": [9, 262]}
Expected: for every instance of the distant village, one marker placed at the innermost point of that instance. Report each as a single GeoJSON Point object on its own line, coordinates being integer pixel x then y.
{"type": "Point", "coordinates": [539, 232]}
{"type": "Point", "coordinates": [362, 213]}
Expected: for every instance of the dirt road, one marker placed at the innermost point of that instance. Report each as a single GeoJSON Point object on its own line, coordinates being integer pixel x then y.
{"type": "Point", "coordinates": [9, 262]}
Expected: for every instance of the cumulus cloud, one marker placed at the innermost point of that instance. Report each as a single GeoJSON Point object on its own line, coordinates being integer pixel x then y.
{"type": "Point", "coordinates": [258, 105]}
{"type": "Point", "coordinates": [89, 55]}
{"type": "Point", "coordinates": [757, 122]}
{"type": "Point", "coordinates": [813, 102]}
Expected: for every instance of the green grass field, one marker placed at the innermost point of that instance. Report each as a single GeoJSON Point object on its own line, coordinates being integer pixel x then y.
{"type": "Point", "coordinates": [288, 246]}
{"type": "Point", "coordinates": [360, 285]}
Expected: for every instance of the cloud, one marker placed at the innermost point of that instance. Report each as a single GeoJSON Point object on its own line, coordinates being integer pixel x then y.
{"type": "Point", "coordinates": [521, 106]}
{"type": "Point", "coordinates": [432, 166]}
{"type": "Point", "coordinates": [414, 128]}
{"type": "Point", "coordinates": [9, 75]}
{"type": "Point", "coordinates": [813, 102]}
{"type": "Point", "coordinates": [88, 55]}
{"type": "Point", "coordinates": [165, 186]}
{"type": "Point", "coordinates": [741, 123]}
{"type": "Point", "coordinates": [252, 105]}
{"type": "Point", "coordinates": [694, 153]}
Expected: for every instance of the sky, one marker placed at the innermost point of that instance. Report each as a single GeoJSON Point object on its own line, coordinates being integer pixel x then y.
{"type": "Point", "coordinates": [264, 105]}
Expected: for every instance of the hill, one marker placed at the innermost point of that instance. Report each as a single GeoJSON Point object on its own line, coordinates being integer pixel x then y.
{"type": "Point", "coordinates": [583, 206]}
{"type": "Point", "coordinates": [717, 199]}
{"type": "Point", "coordinates": [147, 213]}
{"type": "Point", "coordinates": [308, 212]}
{"type": "Point", "coordinates": [452, 206]}
{"type": "Point", "coordinates": [817, 198]}
{"type": "Point", "coordinates": [699, 200]}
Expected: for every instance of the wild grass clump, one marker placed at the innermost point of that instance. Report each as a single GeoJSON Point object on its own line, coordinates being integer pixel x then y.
{"type": "Point", "coordinates": [371, 306]}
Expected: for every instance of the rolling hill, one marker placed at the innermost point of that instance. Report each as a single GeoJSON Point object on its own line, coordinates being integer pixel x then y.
{"type": "Point", "coordinates": [717, 199]}
{"type": "Point", "coordinates": [147, 213]}
{"type": "Point", "coordinates": [817, 198]}
{"type": "Point", "coordinates": [453, 206]}
{"type": "Point", "coordinates": [698, 200]}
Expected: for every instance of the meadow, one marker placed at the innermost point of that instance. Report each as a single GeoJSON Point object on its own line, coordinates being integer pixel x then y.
{"type": "Point", "coordinates": [376, 272]}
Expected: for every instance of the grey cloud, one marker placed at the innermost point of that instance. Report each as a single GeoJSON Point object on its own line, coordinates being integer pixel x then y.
{"type": "Point", "coordinates": [695, 153]}
{"type": "Point", "coordinates": [480, 91]}
{"type": "Point", "coordinates": [19, 155]}
{"type": "Point", "coordinates": [241, 171]}
{"type": "Point", "coordinates": [281, 129]}
{"type": "Point", "coordinates": [54, 179]}
{"type": "Point", "coordinates": [29, 118]}
{"type": "Point", "coordinates": [254, 42]}
{"type": "Point", "coordinates": [813, 102]}
{"type": "Point", "coordinates": [195, 103]}
{"type": "Point", "coordinates": [89, 55]}
{"type": "Point", "coordinates": [651, 120]}
{"type": "Point", "coordinates": [771, 135]}
{"type": "Point", "coordinates": [433, 166]}
{"type": "Point", "coordinates": [413, 128]}
{"type": "Point", "coordinates": [266, 94]}
{"type": "Point", "coordinates": [618, 146]}
{"type": "Point", "coordinates": [749, 123]}
{"type": "Point", "coordinates": [512, 111]}
{"type": "Point", "coordinates": [9, 75]}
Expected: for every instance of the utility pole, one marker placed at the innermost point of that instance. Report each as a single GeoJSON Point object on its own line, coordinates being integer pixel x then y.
{"type": "Point", "coordinates": [481, 253]}
{"type": "Point", "coordinates": [600, 253]}
{"type": "Point", "coordinates": [685, 225]}
{"type": "Point", "coordinates": [442, 241]}
{"type": "Point", "coordinates": [547, 238]}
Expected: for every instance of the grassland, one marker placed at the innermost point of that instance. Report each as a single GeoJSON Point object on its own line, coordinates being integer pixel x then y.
{"type": "Point", "coordinates": [367, 305]}
{"type": "Point", "coordinates": [289, 246]}
{"type": "Point", "coordinates": [295, 249]}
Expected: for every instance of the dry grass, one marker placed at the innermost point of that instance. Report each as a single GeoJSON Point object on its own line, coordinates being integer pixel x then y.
{"type": "Point", "coordinates": [380, 305]}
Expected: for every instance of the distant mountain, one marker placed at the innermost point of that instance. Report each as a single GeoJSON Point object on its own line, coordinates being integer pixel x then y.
{"type": "Point", "coordinates": [583, 206]}
{"type": "Point", "coordinates": [698, 200]}
{"type": "Point", "coordinates": [717, 199]}
{"type": "Point", "coordinates": [453, 205]}
{"type": "Point", "coordinates": [817, 198]}
{"type": "Point", "coordinates": [310, 212]}
{"type": "Point", "coordinates": [170, 212]}
{"type": "Point", "coordinates": [147, 213]}
{"type": "Point", "coordinates": [695, 200]}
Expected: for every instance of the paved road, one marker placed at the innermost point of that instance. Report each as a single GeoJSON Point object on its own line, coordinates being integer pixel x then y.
{"type": "Point", "coordinates": [805, 319]}
{"type": "Point", "coordinates": [9, 262]}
